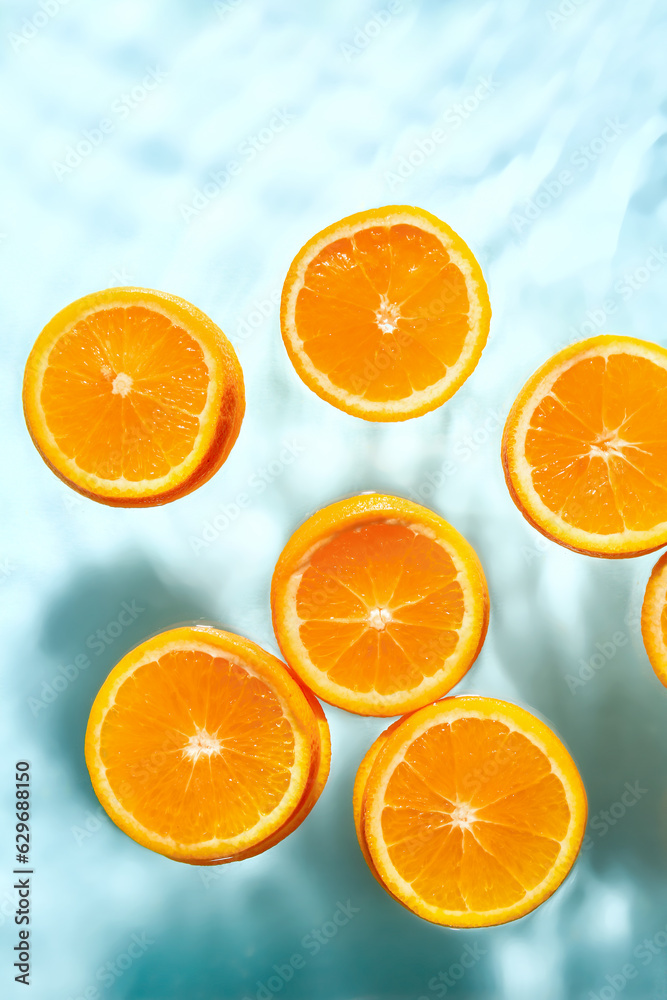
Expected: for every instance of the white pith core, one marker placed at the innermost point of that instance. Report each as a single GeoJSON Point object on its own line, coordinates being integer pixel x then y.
{"type": "Point", "coordinates": [387, 315]}
{"type": "Point", "coordinates": [202, 743]}
{"type": "Point", "coordinates": [378, 618]}
{"type": "Point", "coordinates": [609, 445]}
{"type": "Point", "coordinates": [121, 384]}
{"type": "Point", "coordinates": [463, 816]}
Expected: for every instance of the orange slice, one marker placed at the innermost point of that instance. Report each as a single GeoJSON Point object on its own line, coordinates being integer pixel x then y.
{"type": "Point", "coordinates": [471, 810]}
{"type": "Point", "coordinates": [203, 747]}
{"type": "Point", "coordinates": [585, 447]}
{"type": "Point", "coordinates": [654, 618]}
{"type": "Point", "coordinates": [133, 397]}
{"type": "Point", "coordinates": [385, 313]}
{"type": "Point", "coordinates": [379, 605]}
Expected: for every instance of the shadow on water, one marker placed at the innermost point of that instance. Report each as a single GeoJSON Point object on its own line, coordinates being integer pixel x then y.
{"type": "Point", "coordinates": [236, 936]}
{"type": "Point", "coordinates": [305, 922]}
{"type": "Point", "coordinates": [306, 919]}
{"type": "Point", "coordinates": [354, 963]}
{"type": "Point", "coordinates": [99, 616]}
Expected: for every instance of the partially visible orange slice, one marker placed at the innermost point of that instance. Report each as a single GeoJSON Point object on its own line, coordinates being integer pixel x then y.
{"type": "Point", "coordinates": [203, 747]}
{"type": "Point", "coordinates": [133, 397]}
{"type": "Point", "coordinates": [470, 811]}
{"type": "Point", "coordinates": [585, 447]}
{"type": "Point", "coordinates": [385, 313]}
{"type": "Point", "coordinates": [379, 605]}
{"type": "Point", "coordinates": [654, 618]}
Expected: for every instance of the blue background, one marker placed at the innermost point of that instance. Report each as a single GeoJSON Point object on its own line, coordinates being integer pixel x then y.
{"type": "Point", "coordinates": [326, 109]}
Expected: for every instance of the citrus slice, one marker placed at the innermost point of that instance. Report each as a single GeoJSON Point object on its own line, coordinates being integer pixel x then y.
{"type": "Point", "coordinates": [585, 447]}
{"type": "Point", "coordinates": [133, 397]}
{"type": "Point", "coordinates": [472, 812]}
{"type": "Point", "coordinates": [385, 313]}
{"type": "Point", "coordinates": [201, 746]}
{"type": "Point", "coordinates": [654, 618]}
{"type": "Point", "coordinates": [379, 605]}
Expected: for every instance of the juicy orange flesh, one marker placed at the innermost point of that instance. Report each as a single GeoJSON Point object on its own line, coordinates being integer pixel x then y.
{"type": "Point", "coordinates": [597, 445]}
{"type": "Point", "coordinates": [380, 606]}
{"type": "Point", "coordinates": [196, 748]}
{"type": "Point", "coordinates": [474, 816]}
{"type": "Point", "coordinates": [383, 313]}
{"type": "Point", "coordinates": [123, 391]}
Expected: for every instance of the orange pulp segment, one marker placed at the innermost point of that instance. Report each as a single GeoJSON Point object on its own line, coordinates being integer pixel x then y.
{"type": "Point", "coordinates": [472, 812]}
{"type": "Point", "coordinates": [202, 746]}
{"type": "Point", "coordinates": [133, 397]}
{"type": "Point", "coordinates": [385, 313]}
{"type": "Point", "coordinates": [379, 605]}
{"type": "Point", "coordinates": [585, 447]}
{"type": "Point", "coordinates": [316, 783]}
